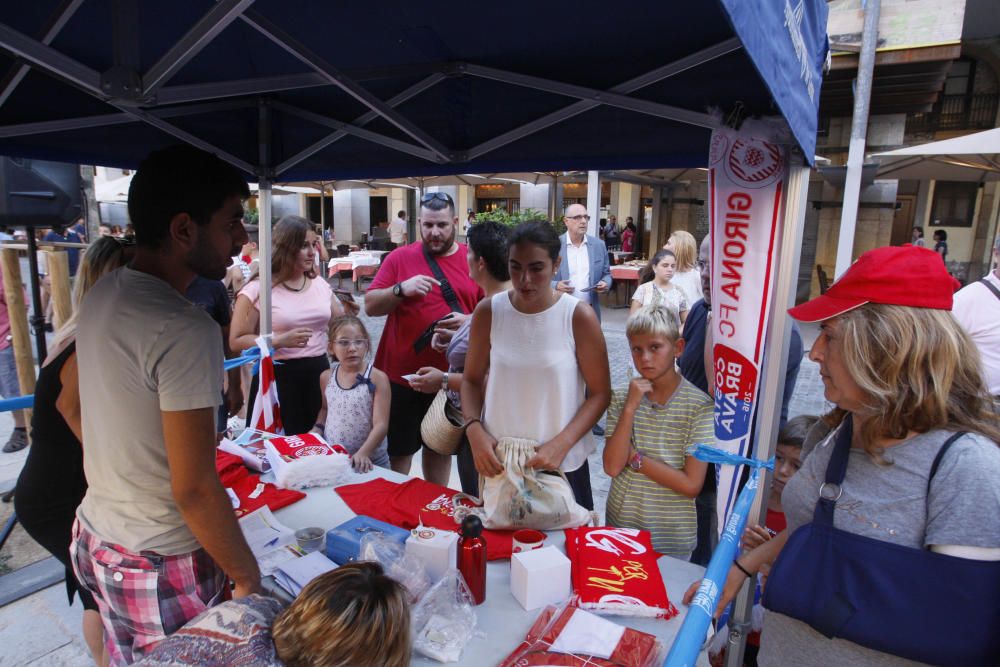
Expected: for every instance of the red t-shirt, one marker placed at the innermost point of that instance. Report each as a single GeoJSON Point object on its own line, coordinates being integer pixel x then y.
{"type": "Point", "coordinates": [395, 355]}
{"type": "Point", "coordinates": [775, 521]}
{"type": "Point", "coordinates": [417, 502]}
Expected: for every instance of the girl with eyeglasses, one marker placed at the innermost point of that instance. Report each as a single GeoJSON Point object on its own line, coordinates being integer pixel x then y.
{"type": "Point", "coordinates": [356, 397]}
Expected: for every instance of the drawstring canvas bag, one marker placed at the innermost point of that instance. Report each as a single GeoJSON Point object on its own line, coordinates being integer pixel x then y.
{"type": "Point", "coordinates": [523, 497]}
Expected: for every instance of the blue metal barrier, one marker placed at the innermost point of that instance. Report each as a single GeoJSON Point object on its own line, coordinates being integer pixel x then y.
{"type": "Point", "coordinates": [687, 645]}
{"type": "Point", "coordinates": [250, 356]}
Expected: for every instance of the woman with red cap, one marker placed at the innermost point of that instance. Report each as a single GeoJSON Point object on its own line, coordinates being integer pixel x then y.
{"type": "Point", "coordinates": [892, 551]}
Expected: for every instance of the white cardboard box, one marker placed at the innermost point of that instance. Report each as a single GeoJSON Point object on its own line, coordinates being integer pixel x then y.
{"type": "Point", "coordinates": [436, 549]}
{"type": "Point", "coordinates": [540, 577]}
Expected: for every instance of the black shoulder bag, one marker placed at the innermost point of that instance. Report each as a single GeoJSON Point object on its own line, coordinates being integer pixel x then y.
{"type": "Point", "coordinates": [913, 603]}
{"type": "Point", "coordinates": [449, 296]}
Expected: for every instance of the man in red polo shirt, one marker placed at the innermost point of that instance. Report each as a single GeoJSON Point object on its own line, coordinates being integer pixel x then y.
{"type": "Point", "coordinates": [412, 293]}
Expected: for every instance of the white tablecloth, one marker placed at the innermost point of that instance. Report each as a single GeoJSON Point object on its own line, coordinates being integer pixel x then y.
{"type": "Point", "coordinates": [355, 259]}
{"type": "Point", "coordinates": [503, 620]}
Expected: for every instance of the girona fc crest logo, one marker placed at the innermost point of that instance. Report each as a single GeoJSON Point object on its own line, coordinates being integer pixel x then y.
{"type": "Point", "coordinates": [754, 163]}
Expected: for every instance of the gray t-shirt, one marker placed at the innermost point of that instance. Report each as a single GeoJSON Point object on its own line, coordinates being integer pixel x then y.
{"type": "Point", "coordinates": [458, 347]}
{"type": "Point", "coordinates": [142, 348]}
{"type": "Point", "coordinates": [890, 503]}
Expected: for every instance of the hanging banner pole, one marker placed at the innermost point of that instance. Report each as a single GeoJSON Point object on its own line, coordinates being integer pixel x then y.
{"type": "Point", "coordinates": [746, 190]}
{"type": "Point", "coordinates": [773, 381]}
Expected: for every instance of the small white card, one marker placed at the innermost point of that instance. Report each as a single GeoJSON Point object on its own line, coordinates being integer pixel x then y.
{"type": "Point", "coordinates": [588, 634]}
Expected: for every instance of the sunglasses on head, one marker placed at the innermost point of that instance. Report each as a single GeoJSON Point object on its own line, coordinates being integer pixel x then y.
{"type": "Point", "coordinates": [440, 196]}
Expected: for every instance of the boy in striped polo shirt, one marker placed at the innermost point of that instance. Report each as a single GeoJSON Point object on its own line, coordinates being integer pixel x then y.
{"type": "Point", "coordinates": [652, 423]}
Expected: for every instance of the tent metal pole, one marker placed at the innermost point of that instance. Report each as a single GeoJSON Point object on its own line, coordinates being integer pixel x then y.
{"type": "Point", "coordinates": [189, 138]}
{"type": "Point", "coordinates": [264, 219]}
{"type": "Point", "coordinates": [198, 92]}
{"type": "Point", "coordinates": [859, 133]}
{"type": "Point", "coordinates": [593, 201]}
{"type": "Point", "coordinates": [608, 97]}
{"type": "Point", "coordinates": [630, 86]}
{"type": "Point", "coordinates": [197, 38]}
{"type": "Point", "coordinates": [361, 133]}
{"type": "Point", "coordinates": [322, 213]}
{"type": "Point", "coordinates": [360, 121]}
{"type": "Point", "coordinates": [553, 197]}
{"type": "Point", "coordinates": [102, 120]}
{"type": "Point", "coordinates": [50, 60]}
{"type": "Point", "coordinates": [59, 19]}
{"type": "Point", "coordinates": [264, 232]}
{"type": "Point", "coordinates": [337, 78]}
{"type": "Point", "coordinates": [772, 386]}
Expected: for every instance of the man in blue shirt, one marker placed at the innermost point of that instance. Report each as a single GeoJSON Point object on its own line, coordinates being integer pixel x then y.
{"type": "Point", "coordinates": [64, 235]}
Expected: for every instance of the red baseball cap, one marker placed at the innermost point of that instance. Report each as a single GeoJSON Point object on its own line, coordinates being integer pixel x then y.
{"type": "Point", "coordinates": [896, 275]}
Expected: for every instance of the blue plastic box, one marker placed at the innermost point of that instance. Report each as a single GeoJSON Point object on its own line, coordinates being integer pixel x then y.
{"type": "Point", "coordinates": [343, 543]}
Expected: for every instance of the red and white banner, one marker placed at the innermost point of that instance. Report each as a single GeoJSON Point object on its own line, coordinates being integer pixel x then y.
{"type": "Point", "coordinates": [746, 188]}
{"type": "Point", "coordinates": [266, 410]}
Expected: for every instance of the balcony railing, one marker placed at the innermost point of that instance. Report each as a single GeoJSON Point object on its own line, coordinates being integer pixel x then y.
{"type": "Point", "coordinates": [957, 112]}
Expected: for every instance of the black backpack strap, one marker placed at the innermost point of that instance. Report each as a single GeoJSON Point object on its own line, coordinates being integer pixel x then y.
{"type": "Point", "coordinates": [446, 291]}
{"type": "Point", "coordinates": [991, 287]}
{"type": "Point", "coordinates": [940, 456]}
{"type": "Point", "coordinates": [836, 469]}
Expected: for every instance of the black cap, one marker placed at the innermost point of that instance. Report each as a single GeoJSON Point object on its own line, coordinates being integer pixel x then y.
{"type": "Point", "coordinates": [472, 526]}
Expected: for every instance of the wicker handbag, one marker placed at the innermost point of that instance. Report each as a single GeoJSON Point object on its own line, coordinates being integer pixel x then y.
{"type": "Point", "coordinates": [443, 425]}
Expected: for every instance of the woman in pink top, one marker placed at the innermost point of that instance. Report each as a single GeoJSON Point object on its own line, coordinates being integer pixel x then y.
{"type": "Point", "coordinates": [302, 306]}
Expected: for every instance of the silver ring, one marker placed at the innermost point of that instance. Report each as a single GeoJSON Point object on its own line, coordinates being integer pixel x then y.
{"type": "Point", "coordinates": [828, 489]}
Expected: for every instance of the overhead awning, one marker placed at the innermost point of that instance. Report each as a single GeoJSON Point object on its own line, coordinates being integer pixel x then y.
{"type": "Point", "coordinates": [296, 90]}
{"type": "Point", "coordinates": [972, 157]}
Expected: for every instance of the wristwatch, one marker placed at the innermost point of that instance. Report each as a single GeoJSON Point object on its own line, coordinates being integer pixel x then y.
{"type": "Point", "coordinates": [635, 461]}
{"type": "Point", "coordinates": [397, 290]}
{"type": "Point", "coordinates": [444, 381]}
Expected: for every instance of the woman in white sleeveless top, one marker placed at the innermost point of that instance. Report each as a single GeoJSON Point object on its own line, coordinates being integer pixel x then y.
{"type": "Point", "coordinates": [547, 364]}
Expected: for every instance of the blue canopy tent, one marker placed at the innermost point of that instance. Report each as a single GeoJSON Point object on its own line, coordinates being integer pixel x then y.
{"type": "Point", "coordinates": [298, 90]}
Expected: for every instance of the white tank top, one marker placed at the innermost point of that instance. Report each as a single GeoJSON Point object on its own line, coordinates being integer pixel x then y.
{"type": "Point", "coordinates": [535, 386]}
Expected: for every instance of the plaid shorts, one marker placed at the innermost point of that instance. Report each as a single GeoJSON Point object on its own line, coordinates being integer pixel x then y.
{"type": "Point", "coordinates": [143, 597]}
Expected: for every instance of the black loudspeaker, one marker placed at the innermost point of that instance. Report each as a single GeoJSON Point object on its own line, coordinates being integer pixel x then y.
{"type": "Point", "coordinates": [36, 193]}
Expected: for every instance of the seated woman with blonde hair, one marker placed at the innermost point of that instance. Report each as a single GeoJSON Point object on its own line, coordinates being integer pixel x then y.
{"type": "Point", "coordinates": [354, 616]}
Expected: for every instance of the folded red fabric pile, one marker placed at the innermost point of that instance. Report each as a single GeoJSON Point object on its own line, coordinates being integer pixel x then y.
{"type": "Point", "coordinates": [234, 475]}
{"type": "Point", "coordinates": [548, 643]}
{"type": "Point", "coordinates": [417, 502]}
{"type": "Point", "coordinates": [615, 572]}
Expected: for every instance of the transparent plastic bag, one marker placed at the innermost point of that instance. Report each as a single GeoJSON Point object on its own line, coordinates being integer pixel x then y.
{"type": "Point", "coordinates": [392, 556]}
{"type": "Point", "coordinates": [444, 620]}
{"type": "Point", "coordinates": [572, 637]}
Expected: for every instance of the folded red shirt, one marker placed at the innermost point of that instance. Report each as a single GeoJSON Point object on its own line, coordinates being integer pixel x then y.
{"type": "Point", "coordinates": [615, 571]}
{"type": "Point", "coordinates": [417, 502]}
{"type": "Point", "coordinates": [633, 648]}
{"type": "Point", "coordinates": [234, 475]}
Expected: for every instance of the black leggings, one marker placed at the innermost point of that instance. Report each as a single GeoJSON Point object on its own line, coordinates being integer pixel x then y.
{"type": "Point", "coordinates": [298, 392]}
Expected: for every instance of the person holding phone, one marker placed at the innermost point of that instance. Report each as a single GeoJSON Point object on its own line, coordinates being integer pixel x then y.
{"type": "Point", "coordinates": [421, 287]}
{"type": "Point", "coordinates": [302, 306]}
{"type": "Point", "coordinates": [584, 270]}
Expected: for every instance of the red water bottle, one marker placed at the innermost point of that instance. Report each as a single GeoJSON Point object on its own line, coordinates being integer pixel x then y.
{"type": "Point", "coordinates": [472, 557]}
